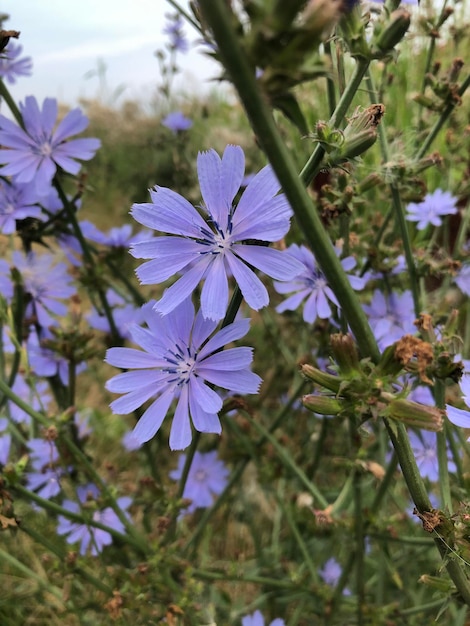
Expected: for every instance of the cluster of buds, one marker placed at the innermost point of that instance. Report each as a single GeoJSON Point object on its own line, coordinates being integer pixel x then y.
{"type": "Point", "coordinates": [358, 136]}
{"type": "Point", "coordinates": [363, 390]}
{"type": "Point", "coordinates": [444, 88]}
{"type": "Point", "coordinates": [389, 29]}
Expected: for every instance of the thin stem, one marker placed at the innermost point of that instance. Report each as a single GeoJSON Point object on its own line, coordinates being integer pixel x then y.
{"type": "Point", "coordinates": [55, 508]}
{"type": "Point", "coordinates": [398, 206]}
{"type": "Point", "coordinates": [5, 94]}
{"type": "Point", "coordinates": [288, 461]}
{"type": "Point", "coordinates": [312, 166]}
{"type": "Point", "coordinates": [441, 121]}
{"type": "Point", "coordinates": [306, 554]}
{"type": "Point", "coordinates": [61, 554]}
{"type": "Point", "coordinates": [6, 557]}
{"type": "Point", "coordinates": [71, 216]}
{"type": "Point", "coordinates": [443, 461]}
{"type": "Point", "coordinates": [420, 497]}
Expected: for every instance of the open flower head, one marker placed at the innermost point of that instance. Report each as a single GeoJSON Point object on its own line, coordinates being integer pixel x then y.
{"type": "Point", "coordinates": [35, 152]}
{"type": "Point", "coordinates": [311, 286]}
{"type": "Point", "coordinates": [13, 65]}
{"type": "Point", "coordinates": [461, 417]}
{"type": "Point", "coordinates": [390, 316]}
{"type": "Point", "coordinates": [207, 478]}
{"type": "Point", "coordinates": [177, 122]}
{"type": "Point", "coordinates": [46, 283]}
{"type": "Point", "coordinates": [424, 446]}
{"type": "Point", "coordinates": [17, 202]}
{"type": "Point", "coordinates": [91, 539]}
{"type": "Point", "coordinates": [430, 211]}
{"type": "Point", "coordinates": [178, 362]}
{"type": "Point", "coordinates": [226, 243]}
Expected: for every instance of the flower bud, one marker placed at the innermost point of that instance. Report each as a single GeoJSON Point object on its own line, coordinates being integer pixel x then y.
{"type": "Point", "coordinates": [329, 381]}
{"type": "Point", "coordinates": [345, 353]}
{"type": "Point", "coordinates": [438, 583]}
{"type": "Point", "coordinates": [360, 133]}
{"type": "Point", "coordinates": [323, 405]}
{"type": "Point", "coordinates": [393, 32]}
{"type": "Point", "coordinates": [415, 414]}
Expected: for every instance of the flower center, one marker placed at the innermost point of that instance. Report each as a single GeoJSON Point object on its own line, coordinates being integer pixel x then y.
{"type": "Point", "coordinates": [217, 242]}
{"type": "Point", "coordinates": [45, 149]}
{"type": "Point", "coordinates": [200, 476]}
{"type": "Point", "coordinates": [182, 363]}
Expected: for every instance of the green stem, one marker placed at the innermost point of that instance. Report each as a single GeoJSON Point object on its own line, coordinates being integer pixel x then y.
{"type": "Point", "coordinates": [30, 574]}
{"type": "Point", "coordinates": [442, 458]}
{"type": "Point", "coordinates": [97, 583]}
{"type": "Point", "coordinates": [71, 216]}
{"type": "Point", "coordinates": [83, 459]}
{"type": "Point", "coordinates": [399, 437]}
{"type": "Point", "coordinates": [55, 508]}
{"type": "Point", "coordinates": [441, 121]}
{"type": "Point", "coordinates": [5, 94]}
{"type": "Point", "coordinates": [288, 461]}
{"type": "Point", "coordinates": [299, 540]}
{"type": "Point", "coordinates": [397, 205]}
{"type": "Point", "coordinates": [216, 13]}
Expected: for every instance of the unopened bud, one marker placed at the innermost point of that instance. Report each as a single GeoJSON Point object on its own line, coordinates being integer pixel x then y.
{"type": "Point", "coordinates": [393, 32]}
{"type": "Point", "coordinates": [437, 582]}
{"type": "Point", "coordinates": [322, 405]}
{"type": "Point", "coordinates": [360, 133]}
{"type": "Point", "coordinates": [345, 353]}
{"type": "Point", "coordinates": [415, 414]}
{"type": "Point", "coordinates": [329, 381]}
{"type": "Point", "coordinates": [370, 181]}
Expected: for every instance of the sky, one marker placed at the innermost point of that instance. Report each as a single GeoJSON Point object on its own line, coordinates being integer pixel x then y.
{"type": "Point", "coordinates": [69, 38]}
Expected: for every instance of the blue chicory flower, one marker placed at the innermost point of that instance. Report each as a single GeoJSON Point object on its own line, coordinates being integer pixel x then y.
{"type": "Point", "coordinates": [257, 619]}
{"type": "Point", "coordinates": [461, 417]}
{"type": "Point", "coordinates": [433, 207]}
{"type": "Point", "coordinates": [331, 573]}
{"type": "Point", "coordinates": [33, 153]}
{"type": "Point", "coordinates": [311, 285]}
{"type": "Point", "coordinates": [178, 359]}
{"type": "Point", "coordinates": [424, 448]}
{"type": "Point", "coordinates": [6, 284]}
{"type": "Point", "coordinates": [207, 477]}
{"type": "Point", "coordinates": [215, 248]}
{"type": "Point", "coordinates": [45, 479]}
{"type": "Point", "coordinates": [390, 316]}
{"type": "Point", "coordinates": [12, 66]}
{"type": "Point", "coordinates": [17, 202]}
{"type": "Point", "coordinates": [177, 122]}
{"type": "Point", "coordinates": [46, 284]}
{"type": "Point", "coordinates": [90, 537]}
{"type": "Point", "coordinates": [174, 29]}
{"type": "Point", "coordinates": [36, 394]}
{"type": "Point", "coordinates": [5, 441]}
{"type": "Point", "coordinates": [462, 280]}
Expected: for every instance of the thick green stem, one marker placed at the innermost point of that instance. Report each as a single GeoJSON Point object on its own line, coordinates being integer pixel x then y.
{"type": "Point", "coordinates": [217, 16]}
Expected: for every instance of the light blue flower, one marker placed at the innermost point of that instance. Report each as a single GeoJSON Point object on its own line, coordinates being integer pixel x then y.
{"type": "Point", "coordinates": [178, 361]}
{"type": "Point", "coordinates": [33, 153]}
{"type": "Point", "coordinates": [431, 209]}
{"type": "Point", "coordinates": [207, 477]}
{"type": "Point", "coordinates": [224, 244]}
